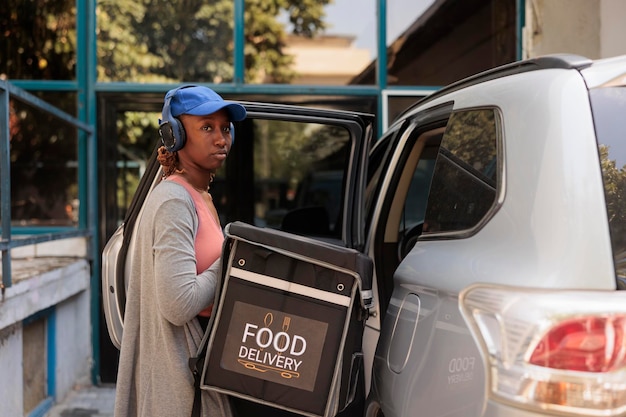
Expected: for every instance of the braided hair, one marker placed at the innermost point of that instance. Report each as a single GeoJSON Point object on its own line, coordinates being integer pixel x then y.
{"type": "Point", "coordinates": [169, 161]}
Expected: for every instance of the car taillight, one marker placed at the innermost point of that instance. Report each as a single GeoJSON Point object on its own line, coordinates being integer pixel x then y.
{"type": "Point", "coordinates": [563, 351]}
{"type": "Point", "coordinates": [588, 344]}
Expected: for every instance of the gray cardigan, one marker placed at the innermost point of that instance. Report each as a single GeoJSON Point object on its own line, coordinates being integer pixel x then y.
{"type": "Point", "coordinates": [161, 331]}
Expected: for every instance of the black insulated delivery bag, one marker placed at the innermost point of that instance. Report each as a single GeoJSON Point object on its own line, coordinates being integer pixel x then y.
{"type": "Point", "coordinates": [288, 326]}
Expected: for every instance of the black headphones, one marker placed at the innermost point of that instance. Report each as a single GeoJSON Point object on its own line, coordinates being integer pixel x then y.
{"type": "Point", "coordinates": [171, 130]}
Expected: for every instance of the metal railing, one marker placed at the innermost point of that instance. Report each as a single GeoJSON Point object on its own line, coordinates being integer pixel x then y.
{"type": "Point", "coordinates": [86, 195]}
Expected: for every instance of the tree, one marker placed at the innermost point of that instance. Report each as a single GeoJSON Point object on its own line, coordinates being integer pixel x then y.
{"type": "Point", "coordinates": [38, 40]}
{"type": "Point", "coordinates": [614, 189]}
{"type": "Point", "coordinates": [191, 40]}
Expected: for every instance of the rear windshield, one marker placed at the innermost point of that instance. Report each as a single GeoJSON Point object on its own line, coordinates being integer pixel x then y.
{"type": "Point", "coordinates": [609, 109]}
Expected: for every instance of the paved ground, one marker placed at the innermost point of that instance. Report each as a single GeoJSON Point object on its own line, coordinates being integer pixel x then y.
{"type": "Point", "coordinates": [86, 402]}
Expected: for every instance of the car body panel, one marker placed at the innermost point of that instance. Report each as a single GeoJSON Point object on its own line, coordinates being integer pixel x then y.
{"type": "Point", "coordinates": [526, 239]}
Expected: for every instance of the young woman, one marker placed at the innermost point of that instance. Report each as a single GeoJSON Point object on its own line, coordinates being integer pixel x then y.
{"type": "Point", "coordinates": [175, 265]}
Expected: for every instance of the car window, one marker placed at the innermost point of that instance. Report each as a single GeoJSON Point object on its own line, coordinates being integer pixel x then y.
{"type": "Point", "coordinates": [417, 196]}
{"type": "Point", "coordinates": [609, 108]}
{"type": "Point", "coordinates": [464, 183]}
{"type": "Point", "coordinates": [299, 176]}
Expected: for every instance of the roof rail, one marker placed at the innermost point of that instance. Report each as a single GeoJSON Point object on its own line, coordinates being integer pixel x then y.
{"type": "Point", "coordinates": [562, 61]}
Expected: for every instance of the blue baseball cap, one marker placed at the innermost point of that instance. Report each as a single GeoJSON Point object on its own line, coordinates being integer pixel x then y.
{"type": "Point", "coordinates": [200, 101]}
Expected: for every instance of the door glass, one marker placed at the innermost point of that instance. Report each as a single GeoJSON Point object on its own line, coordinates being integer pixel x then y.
{"type": "Point", "coordinates": [411, 222]}
{"type": "Point", "coordinates": [464, 184]}
{"type": "Point", "coordinates": [299, 176]}
{"type": "Point", "coordinates": [415, 204]}
{"type": "Point", "coordinates": [609, 107]}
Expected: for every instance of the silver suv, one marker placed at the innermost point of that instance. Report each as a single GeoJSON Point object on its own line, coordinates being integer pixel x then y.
{"type": "Point", "coordinates": [494, 213]}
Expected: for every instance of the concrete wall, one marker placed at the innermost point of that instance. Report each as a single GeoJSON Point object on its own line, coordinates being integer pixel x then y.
{"type": "Point", "coordinates": [326, 60]}
{"type": "Point", "coordinates": [613, 28]}
{"type": "Point", "coordinates": [73, 343]}
{"type": "Point", "coordinates": [58, 292]}
{"type": "Point", "coordinates": [592, 28]}
{"type": "Point", "coordinates": [11, 393]}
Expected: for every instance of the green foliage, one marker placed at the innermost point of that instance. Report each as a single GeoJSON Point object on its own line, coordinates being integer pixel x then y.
{"type": "Point", "coordinates": [471, 136]}
{"type": "Point", "coordinates": [614, 189]}
{"type": "Point", "coordinates": [38, 39]}
{"type": "Point", "coordinates": [43, 173]}
{"type": "Point", "coordinates": [294, 150]}
{"type": "Point", "coordinates": [192, 40]}
{"type": "Point", "coordinates": [122, 54]}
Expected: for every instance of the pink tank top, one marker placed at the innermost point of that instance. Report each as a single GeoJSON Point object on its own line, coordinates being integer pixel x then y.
{"type": "Point", "coordinates": [209, 238]}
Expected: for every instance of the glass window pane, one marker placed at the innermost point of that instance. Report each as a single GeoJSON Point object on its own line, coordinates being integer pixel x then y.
{"type": "Point", "coordinates": [44, 160]}
{"type": "Point", "coordinates": [464, 184]}
{"type": "Point", "coordinates": [402, 14]}
{"type": "Point", "coordinates": [38, 39]}
{"type": "Point", "coordinates": [359, 34]}
{"type": "Point", "coordinates": [397, 101]}
{"type": "Point", "coordinates": [162, 41]}
{"type": "Point", "coordinates": [415, 204]}
{"type": "Point", "coordinates": [134, 143]}
{"type": "Point", "coordinates": [609, 108]}
{"type": "Point", "coordinates": [320, 44]}
{"type": "Point", "coordinates": [299, 171]}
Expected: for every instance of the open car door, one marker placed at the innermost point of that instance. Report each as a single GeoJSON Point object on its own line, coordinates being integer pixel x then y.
{"type": "Point", "coordinates": [306, 188]}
